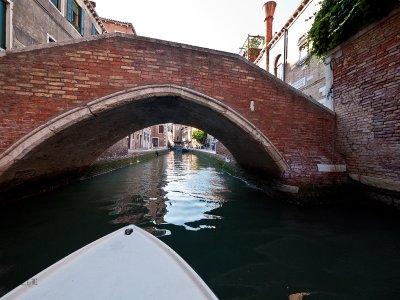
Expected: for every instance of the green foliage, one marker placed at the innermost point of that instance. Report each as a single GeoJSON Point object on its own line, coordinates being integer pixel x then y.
{"type": "Point", "coordinates": [338, 20]}
{"type": "Point", "coordinates": [199, 135]}
{"type": "Point", "coordinates": [254, 42]}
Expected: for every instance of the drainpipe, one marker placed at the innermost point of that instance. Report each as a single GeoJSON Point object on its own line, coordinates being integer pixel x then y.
{"type": "Point", "coordinates": [329, 82]}
{"type": "Point", "coordinates": [269, 9]}
{"type": "Point", "coordinates": [285, 51]}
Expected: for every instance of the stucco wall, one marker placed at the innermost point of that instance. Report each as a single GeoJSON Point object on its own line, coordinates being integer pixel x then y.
{"type": "Point", "coordinates": [34, 19]}
{"type": "Point", "coordinates": [307, 77]}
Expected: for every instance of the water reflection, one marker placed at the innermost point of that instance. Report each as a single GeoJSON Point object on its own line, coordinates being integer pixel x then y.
{"type": "Point", "coordinates": [190, 194]}
{"type": "Point", "coordinates": [176, 191]}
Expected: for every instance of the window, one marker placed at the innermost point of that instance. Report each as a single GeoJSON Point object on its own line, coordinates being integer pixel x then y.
{"type": "Point", "coordinates": [76, 16]}
{"type": "Point", "coordinates": [94, 30]}
{"type": "Point", "coordinates": [6, 25]}
{"type": "Point", "coordinates": [3, 24]}
{"type": "Point", "coordinates": [57, 3]}
{"type": "Point", "coordinates": [303, 50]}
{"type": "Point", "coordinates": [155, 142]}
{"type": "Point", "coordinates": [278, 71]}
{"type": "Point", "coordinates": [50, 39]}
{"type": "Point", "coordinates": [278, 67]}
{"type": "Point", "coordinates": [161, 129]}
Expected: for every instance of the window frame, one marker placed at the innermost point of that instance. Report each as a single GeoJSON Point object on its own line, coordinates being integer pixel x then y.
{"type": "Point", "coordinates": [159, 129]}
{"type": "Point", "coordinates": [304, 50]}
{"type": "Point", "coordinates": [278, 67]}
{"type": "Point", "coordinates": [58, 5]}
{"type": "Point", "coordinates": [51, 39]}
{"type": "Point", "coordinates": [8, 28]}
{"type": "Point", "coordinates": [152, 142]}
{"type": "Point", "coordinates": [94, 30]}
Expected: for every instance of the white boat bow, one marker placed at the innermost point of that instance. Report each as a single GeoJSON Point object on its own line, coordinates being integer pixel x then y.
{"type": "Point", "coordinates": [126, 264]}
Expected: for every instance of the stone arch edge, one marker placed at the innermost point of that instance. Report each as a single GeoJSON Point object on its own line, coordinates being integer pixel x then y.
{"type": "Point", "coordinates": [61, 122]}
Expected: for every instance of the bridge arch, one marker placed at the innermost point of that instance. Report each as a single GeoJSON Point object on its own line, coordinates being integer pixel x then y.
{"type": "Point", "coordinates": [93, 127]}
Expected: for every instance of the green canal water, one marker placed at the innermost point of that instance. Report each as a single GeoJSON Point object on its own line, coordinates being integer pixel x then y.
{"type": "Point", "coordinates": [243, 244]}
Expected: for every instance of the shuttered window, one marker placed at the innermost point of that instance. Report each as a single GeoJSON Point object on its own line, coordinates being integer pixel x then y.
{"type": "Point", "coordinates": [76, 15]}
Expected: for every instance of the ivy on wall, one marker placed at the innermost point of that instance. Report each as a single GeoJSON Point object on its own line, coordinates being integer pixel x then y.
{"type": "Point", "coordinates": [338, 20]}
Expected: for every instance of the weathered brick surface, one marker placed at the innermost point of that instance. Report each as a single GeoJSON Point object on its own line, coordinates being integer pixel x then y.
{"type": "Point", "coordinates": [41, 83]}
{"type": "Point", "coordinates": [367, 101]}
{"type": "Point", "coordinates": [119, 149]}
{"type": "Point", "coordinates": [223, 151]}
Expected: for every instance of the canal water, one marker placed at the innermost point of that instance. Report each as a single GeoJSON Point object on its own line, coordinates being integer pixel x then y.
{"type": "Point", "coordinates": [243, 244]}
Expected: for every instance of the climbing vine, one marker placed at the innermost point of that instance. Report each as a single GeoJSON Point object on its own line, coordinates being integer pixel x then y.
{"type": "Point", "coordinates": [338, 20]}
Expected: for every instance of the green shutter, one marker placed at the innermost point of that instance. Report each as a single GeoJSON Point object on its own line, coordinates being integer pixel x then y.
{"type": "Point", "coordinates": [82, 20]}
{"type": "Point", "coordinates": [2, 24]}
{"type": "Point", "coordinates": [69, 10]}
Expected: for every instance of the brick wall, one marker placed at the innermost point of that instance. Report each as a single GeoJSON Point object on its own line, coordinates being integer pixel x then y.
{"type": "Point", "coordinates": [367, 103]}
{"type": "Point", "coordinates": [119, 149]}
{"type": "Point", "coordinates": [222, 150]}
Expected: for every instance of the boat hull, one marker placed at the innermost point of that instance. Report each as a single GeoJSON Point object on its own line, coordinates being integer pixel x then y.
{"type": "Point", "coordinates": [118, 266]}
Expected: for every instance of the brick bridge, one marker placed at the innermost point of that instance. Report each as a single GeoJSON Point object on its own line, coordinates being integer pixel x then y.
{"type": "Point", "coordinates": [63, 104]}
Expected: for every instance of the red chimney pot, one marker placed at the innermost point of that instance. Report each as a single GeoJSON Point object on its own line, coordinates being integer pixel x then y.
{"type": "Point", "coordinates": [269, 9]}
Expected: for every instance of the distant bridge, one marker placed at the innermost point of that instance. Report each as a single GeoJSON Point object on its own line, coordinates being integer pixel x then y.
{"type": "Point", "coordinates": [63, 104]}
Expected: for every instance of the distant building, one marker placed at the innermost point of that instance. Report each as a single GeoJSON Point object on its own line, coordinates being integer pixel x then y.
{"type": "Point", "coordinates": [140, 140]}
{"type": "Point", "coordinates": [285, 53]}
{"type": "Point", "coordinates": [182, 136]}
{"type": "Point", "coordinates": [187, 136]}
{"type": "Point", "coordinates": [118, 26]}
{"type": "Point", "coordinates": [211, 142]}
{"type": "Point", "coordinates": [170, 135]}
{"type": "Point", "coordinates": [159, 136]}
{"type": "Point", "coordinates": [149, 138]}
{"type": "Point", "coordinates": [177, 134]}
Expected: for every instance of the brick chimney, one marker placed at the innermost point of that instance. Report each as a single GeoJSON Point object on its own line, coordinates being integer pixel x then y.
{"type": "Point", "coordinates": [269, 8]}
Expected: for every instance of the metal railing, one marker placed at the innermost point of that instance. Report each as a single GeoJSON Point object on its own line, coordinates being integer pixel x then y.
{"type": "Point", "coordinates": [252, 46]}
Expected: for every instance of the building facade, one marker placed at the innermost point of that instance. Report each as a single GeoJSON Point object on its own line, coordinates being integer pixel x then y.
{"type": "Point", "coordinates": [285, 53]}
{"type": "Point", "coordinates": [159, 136]}
{"type": "Point", "coordinates": [358, 80]}
{"type": "Point", "coordinates": [118, 26]}
{"type": "Point", "coordinates": [152, 137]}
{"type": "Point", "coordinates": [31, 22]}
{"type": "Point", "coordinates": [140, 140]}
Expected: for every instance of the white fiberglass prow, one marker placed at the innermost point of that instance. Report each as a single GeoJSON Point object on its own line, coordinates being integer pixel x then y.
{"type": "Point", "coordinates": [118, 266]}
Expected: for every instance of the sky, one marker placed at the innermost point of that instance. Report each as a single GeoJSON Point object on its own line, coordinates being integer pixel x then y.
{"type": "Point", "coordinates": [216, 24]}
